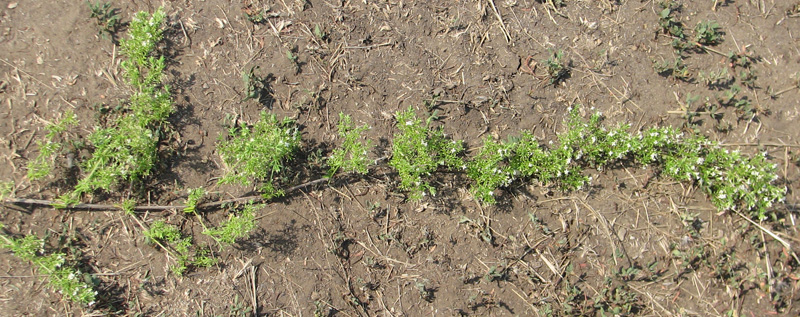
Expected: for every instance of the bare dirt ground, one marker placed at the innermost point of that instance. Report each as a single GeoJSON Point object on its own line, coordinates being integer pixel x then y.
{"type": "Point", "coordinates": [632, 243]}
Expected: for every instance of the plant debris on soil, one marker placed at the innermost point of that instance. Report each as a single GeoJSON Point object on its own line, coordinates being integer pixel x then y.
{"type": "Point", "coordinates": [400, 158]}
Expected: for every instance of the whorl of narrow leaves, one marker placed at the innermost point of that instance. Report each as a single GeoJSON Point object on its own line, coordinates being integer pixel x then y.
{"type": "Point", "coordinates": [352, 155]}
{"type": "Point", "coordinates": [257, 153]}
{"type": "Point", "coordinates": [418, 150]}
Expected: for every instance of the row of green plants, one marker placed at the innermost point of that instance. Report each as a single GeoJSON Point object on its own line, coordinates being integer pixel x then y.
{"type": "Point", "coordinates": [732, 180]}
{"type": "Point", "coordinates": [257, 155]}
{"type": "Point", "coordinates": [69, 281]}
{"type": "Point", "coordinates": [126, 149]}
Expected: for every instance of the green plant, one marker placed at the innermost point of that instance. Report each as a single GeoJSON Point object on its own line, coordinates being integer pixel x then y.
{"type": "Point", "coordinates": [718, 78]}
{"type": "Point", "coordinates": [418, 150]}
{"type": "Point", "coordinates": [748, 77]}
{"type": "Point", "coordinates": [6, 190]}
{"type": "Point", "coordinates": [676, 69]}
{"type": "Point", "coordinates": [256, 87]}
{"type": "Point", "coordinates": [106, 17]}
{"type": "Point", "coordinates": [741, 59]}
{"type": "Point", "coordinates": [616, 300]}
{"type": "Point", "coordinates": [352, 155]}
{"type": "Point", "coordinates": [319, 33]}
{"type": "Point", "coordinates": [127, 150]}
{"type": "Point", "coordinates": [489, 170]}
{"type": "Point", "coordinates": [254, 11]}
{"type": "Point", "coordinates": [731, 180]}
{"type": "Point", "coordinates": [170, 238]}
{"type": "Point", "coordinates": [258, 153]}
{"type": "Point", "coordinates": [291, 55]}
{"type": "Point", "coordinates": [729, 96]}
{"type": "Point", "coordinates": [530, 160]}
{"type": "Point", "coordinates": [707, 33]}
{"type": "Point", "coordinates": [49, 148]}
{"type": "Point", "coordinates": [557, 68]}
{"type": "Point", "coordinates": [237, 226]}
{"type": "Point", "coordinates": [70, 282]}
{"type": "Point", "coordinates": [195, 194]}
{"type": "Point", "coordinates": [668, 23]}
{"type": "Point", "coordinates": [127, 206]}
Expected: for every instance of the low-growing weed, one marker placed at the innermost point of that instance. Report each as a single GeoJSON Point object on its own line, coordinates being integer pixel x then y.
{"type": "Point", "coordinates": [319, 33]}
{"type": "Point", "coordinates": [6, 190]}
{"type": "Point", "coordinates": [256, 87]}
{"type": "Point", "coordinates": [675, 69]}
{"type": "Point", "coordinates": [50, 147]}
{"type": "Point", "coordinates": [236, 226]}
{"type": "Point", "coordinates": [557, 67]}
{"type": "Point", "coordinates": [73, 285]}
{"type": "Point", "coordinates": [195, 194]}
{"type": "Point", "coordinates": [106, 17]}
{"type": "Point", "coordinates": [716, 79]}
{"type": "Point", "coordinates": [418, 151]}
{"type": "Point", "coordinates": [258, 153]}
{"type": "Point", "coordinates": [254, 11]}
{"type": "Point", "coordinates": [731, 180]}
{"type": "Point", "coordinates": [616, 300]}
{"type": "Point", "coordinates": [489, 170]}
{"type": "Point", "coordinates": [170, 238]}
{"type": "Point", "coordinates": [707, 33]}
{"type": "Point", "coordinates": [669, 23]}
{"type": "Point", "coordinates": [127, 150]}
{"type": "Point", "coordinates": [352, 155]}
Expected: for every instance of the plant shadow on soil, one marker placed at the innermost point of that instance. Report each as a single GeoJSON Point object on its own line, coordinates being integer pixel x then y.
{"type": "Point", "coordinates": [282, 242]}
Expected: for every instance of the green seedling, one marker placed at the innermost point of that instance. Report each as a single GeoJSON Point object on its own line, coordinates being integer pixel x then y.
{"type": "Point", "coordinates": [73, 285]}
{"type": "Point", "coordinates": [668, 23]}
{"type": "Point", "coordinates": [616, 300]}
{"type": "Point", "coordinates": [728, 97]}
{"type": "Point", "coordinates": [352, 155]}
{"type": "Point", "coordinates": [106, 17]}
{"type": "Point", "coordinates": [127, 206]}
{"type": "Point", "coordinates": [707, 33]}
{"type": "Point", "coordinates": [319, 33]}
{"type": "Point", "coordinates": [740, 59]}
{"type": "Point", "coordinates": [557, 68]}
{"type": "Point", "coordinates": [716, 79]}
{"type": "Point", "coordinates": [50, 147]}
{"type": "Point", "coordinates": [256, 87]}
{"type": "Point", "coordinates": [676, 69]}
{"type": "Point", "coordinates": [748, 78]}
{"type": "Point", "coordinates": [418, 151]}
{"type": "Point", "coordinates": [170, 238]}
{"type": "Point", "coordinates": [258, 153]}
{"type": "Point", "coordinates": [745, 109]}
{"type": "Point", "coordinates": [291, 55]}
{"type": "Point", "coordinates": [195, 195]}
{"type": "Point", "coordinates": [6, 190]}
{"type": "Point", "coordinates": [426, 293]}
{"type": "Point", "coordinates": [236, 226]}
{"type": "Point", "coordinates": [254, 11]}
